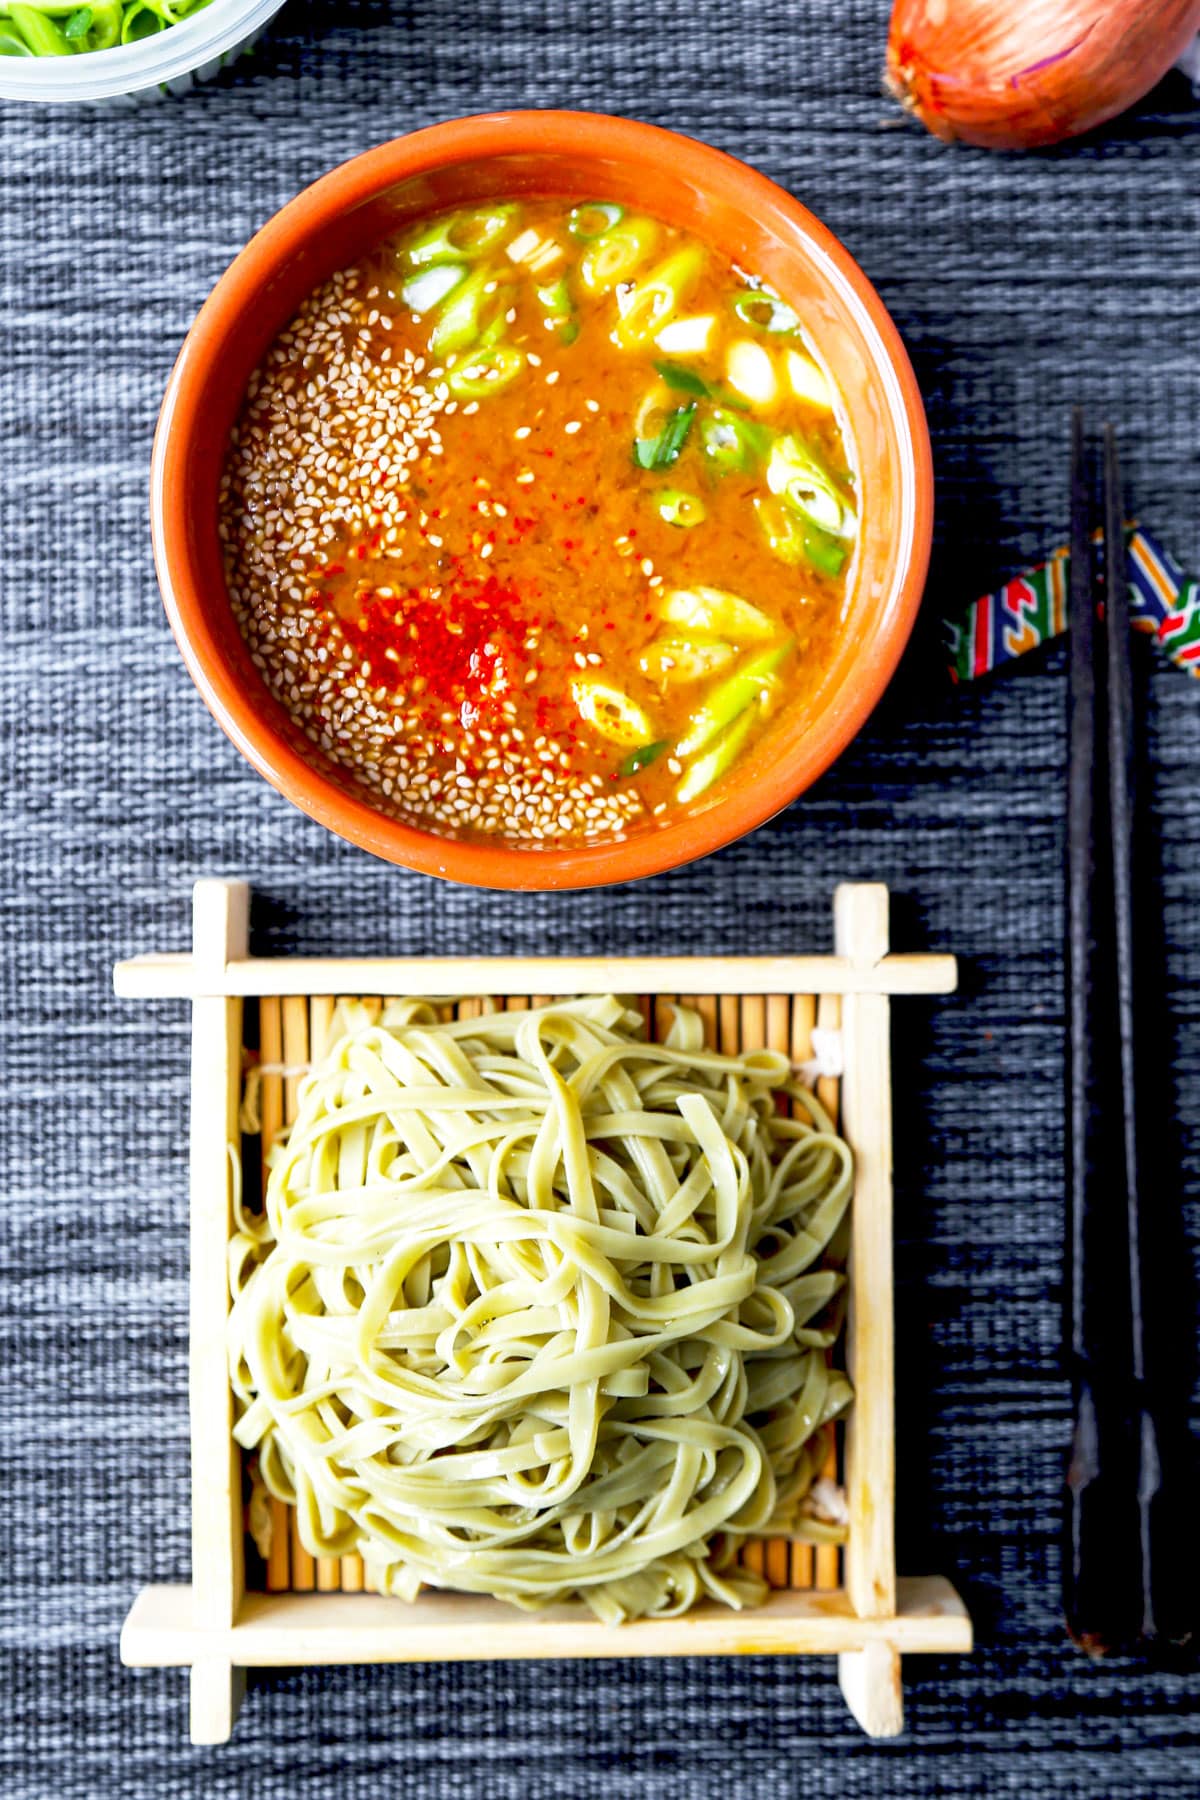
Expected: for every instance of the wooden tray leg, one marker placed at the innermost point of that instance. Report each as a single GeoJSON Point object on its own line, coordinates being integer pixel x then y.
{"type": "Point", "coordinates": [870, 1684]}
{"type": "Point", "coordinates": [217, 1690]}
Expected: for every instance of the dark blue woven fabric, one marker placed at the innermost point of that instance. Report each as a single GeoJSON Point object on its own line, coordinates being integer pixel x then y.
{"type": "Point", "coordinates": [1021, 284]}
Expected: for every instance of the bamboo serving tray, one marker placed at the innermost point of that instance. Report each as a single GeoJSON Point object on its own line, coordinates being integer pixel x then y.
{"type": "Point", "coordinates": [239, 1613]}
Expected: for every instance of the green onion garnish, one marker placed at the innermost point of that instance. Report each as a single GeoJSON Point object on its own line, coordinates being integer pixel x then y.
{"type": "Point", "coordinates": [78, 24]}
{"type": "Point", "coordinates": [555, 301]}
{"type": "Point", "coordinates": [678, 508]}
{"type": "Point", "coordinates": [40, 33]}
{"type": "Point", "coordinates": [661, 451]}
{"type": "Point", "coordinates": [731, 443]}
{"type": "Point", "coordinates": [684, 381]}
{"type": "Point", "coordinates": [593, 219]}
{"type": "Point", "coordinates": [429, 287]}
{"type": "Point", "coordinates": [765, 312]}
{"type": "Point", "coordinates": [486, 372]}
{"type": "Point", "coordinates": [641, 758]}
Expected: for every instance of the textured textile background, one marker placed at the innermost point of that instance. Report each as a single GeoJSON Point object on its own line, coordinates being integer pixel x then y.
{"type": "Point", "coordinates": [1020, 285]}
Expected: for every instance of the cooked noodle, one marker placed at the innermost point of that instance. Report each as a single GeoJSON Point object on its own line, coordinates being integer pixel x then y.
{"type": "Point", "coordinates": [541, 1310]}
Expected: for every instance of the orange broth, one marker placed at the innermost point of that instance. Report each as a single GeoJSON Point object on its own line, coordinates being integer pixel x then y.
{"type": "Point", "coordinates": [451, 564]}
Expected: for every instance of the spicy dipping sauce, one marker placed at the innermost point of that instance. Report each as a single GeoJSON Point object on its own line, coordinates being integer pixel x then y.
{"type": "Point", "coordinates": [534, 517]}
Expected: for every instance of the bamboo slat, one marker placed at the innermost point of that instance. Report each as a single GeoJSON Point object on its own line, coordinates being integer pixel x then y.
{"type": "Point", "coordinates": [827, 1558]}
{"type": "Point", "coordinates": [751, 1032]}
{"type": "Point", "coordinates": [777, 1563]}
{"type": "Point", "coordinates": [295, 1056]}
{"type": "Point", "coordinates": [270, 1050]}
{"type": "Point", "coordinates": [356, 1578]}
{"type": "Point", "coordinates": [320, 1020]}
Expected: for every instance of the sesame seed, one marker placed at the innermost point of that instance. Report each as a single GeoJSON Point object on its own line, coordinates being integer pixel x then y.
{"type": "Point", "coordinates": [332, 432]}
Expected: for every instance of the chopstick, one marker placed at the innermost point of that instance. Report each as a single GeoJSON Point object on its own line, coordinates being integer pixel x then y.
{"type": "Point", "coordinates": [1120, 1534]}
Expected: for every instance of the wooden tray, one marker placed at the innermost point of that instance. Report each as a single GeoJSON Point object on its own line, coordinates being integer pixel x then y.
{"type": "Point", "coordinates": [822, 1601]}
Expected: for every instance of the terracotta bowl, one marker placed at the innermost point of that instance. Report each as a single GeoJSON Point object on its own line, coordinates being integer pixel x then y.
{"type": "Point", "coordinates": [581, 155]}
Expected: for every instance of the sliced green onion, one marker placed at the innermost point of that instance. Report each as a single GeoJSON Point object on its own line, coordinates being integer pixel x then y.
{"type": "Point", "coordinates": [731, 443]}
{"type": "Point", "coordinates": [827, 555]}
{"type": "Point", "coordinates": [465, 237]}
{"type": "Point", "coordinates": [710, 767]}
{"type": "Point", "coordinates": [423, 291]}
{"type": "Point", "coordinates": [731, 699]}
{"type": "Point", "coordinates": [593, 218]}
{"type": "Point", "coordinates": [485, 372]}
{"type": "Point", "coordinates": [142, 20]}
{"type": "Point", "coordinates": [642, 757]}
{"type": "Point", "coordinates": [655, 299]}
{"type": "Point", "coordinates": [660, 451]}
{"type": "Point", "coordinates": [797, 473]}
{"type": "Point", "coordinates": [40, 33]}
{"type": "Point", "coordinates": [78, 24]}
{"type": "Point", "coordinates": [612, 712]}
{"type": "Point", "coordinates": [751, 371]}
{"type": "Point", "coordinates": [808, 380]}
{"type": "Point", "coordinates": [684, 381]}
{"type": "Point", "coordinates": [684, 659]}
{"type": "Point", "coordinates": [617, 254]}
{"type": "Point", "coordinates": [555, 301]}
{"type": "Point", "coordinates": [715, 612]}
{"type": "Point", "coordinates": [105, 29]}
{"type": "Point", "coordinates": [688, 336]}
{"type": "Point", "coordinates": [793, 540]}
{"type": "Point", "coordinates": [679, 508]}
{"type": "Point", "coordinates": [460, 321]}
{"type": "Point", "coordinates": [765, 312]}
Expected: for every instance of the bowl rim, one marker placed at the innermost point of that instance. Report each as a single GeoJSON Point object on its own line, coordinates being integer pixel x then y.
{"type": "Point", "coordinates": [552, 134]}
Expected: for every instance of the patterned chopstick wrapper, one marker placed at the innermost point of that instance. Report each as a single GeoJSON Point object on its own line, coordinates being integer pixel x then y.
{"type": "Point", "coordinates": [1031, 609]}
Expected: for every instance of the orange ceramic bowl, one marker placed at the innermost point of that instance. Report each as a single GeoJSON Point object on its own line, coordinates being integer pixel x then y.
{"type": "Point", "coordinates": [742, 214]}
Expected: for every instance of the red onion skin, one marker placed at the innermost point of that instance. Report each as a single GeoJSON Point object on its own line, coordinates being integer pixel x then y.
{"type": "Point", "coordinates": [1016, 74]}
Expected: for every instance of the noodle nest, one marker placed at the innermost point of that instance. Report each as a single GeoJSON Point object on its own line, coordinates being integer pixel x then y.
{"type": "Point", "coordinates": [541, 1310]}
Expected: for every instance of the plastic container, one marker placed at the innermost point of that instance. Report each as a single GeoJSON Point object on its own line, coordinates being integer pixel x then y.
{"type": "Point", "coordinates": [169, 63]}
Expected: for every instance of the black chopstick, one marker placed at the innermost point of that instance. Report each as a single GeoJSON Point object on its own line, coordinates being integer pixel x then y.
{"type": "Point", "coordinates": [1124, 1579]}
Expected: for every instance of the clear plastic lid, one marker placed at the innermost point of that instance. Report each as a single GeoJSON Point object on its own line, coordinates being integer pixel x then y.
{"type": "Point", "coordinates": [161, 61]}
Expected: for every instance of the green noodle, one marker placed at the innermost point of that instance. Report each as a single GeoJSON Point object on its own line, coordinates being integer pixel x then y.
{"type": "Point", "coordinates": [541, 1310]}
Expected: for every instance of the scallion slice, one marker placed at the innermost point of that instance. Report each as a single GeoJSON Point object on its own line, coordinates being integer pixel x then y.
{"type": "Point", "coordinates": [612, 712]}
{"type": "Point", "coordinates": [713, 764]}
{"type": "Point", "coordinates": [655, 299]}
{"type": "Point", "coordinates": [593, 218]}
{"type": "Point", "coordinates": [732, 697]}
{"type": "Point", "coordinates": [798, 475]}
{"type": "Point", "coordinates": [684, 381]}
{"type": "Point", "coordinates": [486, 372]}
{"type": "Point", "coordinates": [794, 540]}
{"type": "Point", "coordinates": [555, 301]}
{"type": "Point", "coordinates": [715, 612]}
{"type": "Point", "coordinates": [460, 321]}
{"type": "Point", "coordinates": [42, 35]}
{"type": "Point", "coordinates": [617, 254]}
{"type": "Point", "coordinates": [731, 443]}
{"type": "Point", "coordinates": [660, 451]}
{"type": "Point", "coordinates": [642, 757]}
{"type": "Point", "coordinates": [429, 287]}
{"type": "Point", "coordinates": [463, 238]}
{"type": "Point", "coordinates": [765, 312]}
{"type": "Point", "coordinates": [679, 508]}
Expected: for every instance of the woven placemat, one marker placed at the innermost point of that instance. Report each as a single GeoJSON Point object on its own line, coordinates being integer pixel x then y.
{"type": "Point", "coordinates": [1021, 284]}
